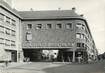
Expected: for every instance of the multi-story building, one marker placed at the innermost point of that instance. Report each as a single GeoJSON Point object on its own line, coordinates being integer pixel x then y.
{"type": "Point", "coordinates": [62, 30]}
{"type": "Point", "coordinates": [34, 31]}
{"type": "Point", "coordinates": [10, 43]}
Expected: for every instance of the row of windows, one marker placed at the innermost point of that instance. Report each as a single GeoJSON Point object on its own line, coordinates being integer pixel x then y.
{"type": "Point", "coordinates": [49, 26]}
{"type": "Point", "coordinates": [7, 42]}
{"type": "Point", "coordinates": [7, 31]}
{"type": "Point", "coordinates": [81, 26]}
{"type": "Point", "coordinates": [82, 36]}
{"type": "Point", "coordinates": [80, 45]}
{"type": "Point", "coordinates": [7, 19]}
{"type": "Point", "coordinates": [86, 47]}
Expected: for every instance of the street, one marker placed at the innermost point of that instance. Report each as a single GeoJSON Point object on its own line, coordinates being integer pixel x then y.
{"type": "Point", "coordinates": [48, 67]}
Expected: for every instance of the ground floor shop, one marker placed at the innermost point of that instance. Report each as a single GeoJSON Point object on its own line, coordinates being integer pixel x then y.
{"type": "Point", "coordinates": [59, 56]}
{"type": "Point", "coordinates": [11, 56]}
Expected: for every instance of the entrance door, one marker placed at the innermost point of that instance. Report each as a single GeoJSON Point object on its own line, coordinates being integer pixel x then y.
{"type": "Point", "coordinates": [14, 56]}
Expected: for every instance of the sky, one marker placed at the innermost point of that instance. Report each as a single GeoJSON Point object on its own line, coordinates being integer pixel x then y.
{"type": "Point", "coordinates": [93, 10]}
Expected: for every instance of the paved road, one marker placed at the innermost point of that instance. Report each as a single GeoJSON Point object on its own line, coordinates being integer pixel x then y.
{"type": "Point", "coordinates": [39, 67]}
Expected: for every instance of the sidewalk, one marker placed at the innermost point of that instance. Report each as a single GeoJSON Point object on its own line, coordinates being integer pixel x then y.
{"type": "Point", "coordinates": [13, 64]}
{"type": "Point", "coordinates": [4, 69]}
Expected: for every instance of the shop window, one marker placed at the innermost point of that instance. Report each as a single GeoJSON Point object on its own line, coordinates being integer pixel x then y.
{"type": "Point", "coordinates": [39, 26]}
{"type": "Point", "coordinates": [68, 25]}
{"type": "Point", "coordinates": [58, 26]}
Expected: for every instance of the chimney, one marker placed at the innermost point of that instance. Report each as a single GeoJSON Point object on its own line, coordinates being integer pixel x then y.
{"type": "Point", "coordinates": [74, 9]}
{"type": "Point", "coordinates": [31, 9]}
{"type": "Point", "coordinates": [81, 15]}
{"type": "Point", "coordinates": [59, 8]}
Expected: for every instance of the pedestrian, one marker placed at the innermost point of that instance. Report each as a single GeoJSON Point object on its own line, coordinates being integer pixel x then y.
{"type": "Point", "coordinates": [6, 63]}
{"type": "Point", "coordinates": [79, 59]}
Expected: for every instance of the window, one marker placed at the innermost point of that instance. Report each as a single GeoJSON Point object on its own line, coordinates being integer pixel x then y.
{"type": "Point", "coordinates": [29, 26]}
{"type": "Point", "coordinates": [78, 35]}
{"type": "Point", "coordinates": [39, 26]}
{"type": "Point", "coordinates": [28, 36]}
{"type": "Point", "coordinates": [83, 26]}
{"type": "Point", "coordinates": [13, 22]}
{"type": "Point", "coordinates": [49, 26]}
{"type": "Point", "coordinates": [82, 36]}
{"type": "Point", "coordinates": [83, 45]}
{"type": "Point", "coordinates": [7, 31]}
{"type": "Point", "coordinates": [13, 43]}
{"type": "Point", "coordinates": [7, 42]}
{"type": "Point", "coordinates": [1, 17]}
{"type": "Point", "coordinates": [68, 25]}
{"type": "Point", "coordinates": [79, 25]}
{"type": "Point", "coordinates": [7, 19]}
{"type": "Point", "coordinates": [86, 39]}
{"type": "Point", "coordinates": [13, 32]}
{"type": "Point", "coordinates": [58, 26]}
{"type": "Point", "coordinates": [78, 44]}
{"type": "Point", "coordinates": [1, 29]}
{"type": "Point", "coordinates": [86, 31]}
{"type": "Point", "coordinates": [1, 41]}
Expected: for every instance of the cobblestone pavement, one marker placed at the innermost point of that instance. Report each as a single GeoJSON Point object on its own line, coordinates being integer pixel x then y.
{"type": "Point", "coordinates": [44, 67]}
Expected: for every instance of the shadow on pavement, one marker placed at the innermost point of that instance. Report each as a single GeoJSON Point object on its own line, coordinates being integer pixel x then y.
{"type": "Point", "coordinates": [78, 68]}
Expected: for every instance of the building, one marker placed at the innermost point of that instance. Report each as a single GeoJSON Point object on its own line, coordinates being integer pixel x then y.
{"type": "Point", "coordinates": [31, 32]}
{"type": "Point", "coordinates": [10, 33]}
{"type": "Point", "coordinates": [62, 30]}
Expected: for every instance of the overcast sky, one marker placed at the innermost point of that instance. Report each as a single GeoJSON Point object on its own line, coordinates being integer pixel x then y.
{"type": "Point", "coordinates": [93, 10]}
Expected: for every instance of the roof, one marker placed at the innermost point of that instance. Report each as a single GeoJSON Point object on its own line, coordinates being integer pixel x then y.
{"type": "Point", "coordinates": [48, 14]}
{"type": "Point", "coordinates": [8, 8]}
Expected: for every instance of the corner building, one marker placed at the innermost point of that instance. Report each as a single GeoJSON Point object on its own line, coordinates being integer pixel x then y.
{"type": "Point", "coordinates": [27, 33]}
{"type": "Point", "coordinates": [62, 30]}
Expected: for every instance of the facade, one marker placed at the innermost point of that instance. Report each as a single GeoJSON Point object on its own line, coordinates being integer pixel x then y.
{"type": "Point", "coordinates": [31, 32]}
{"type": "Point", "coordinates": [9, 2]}
{"type": "Point", "coordinates": [10, 43]}
{"type": "Point", "coordinates": [62, 30]}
